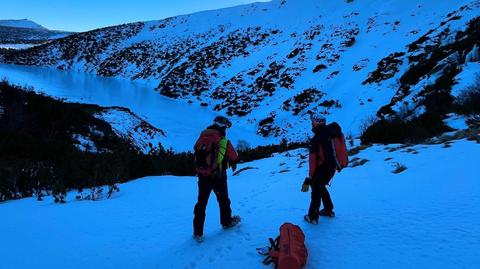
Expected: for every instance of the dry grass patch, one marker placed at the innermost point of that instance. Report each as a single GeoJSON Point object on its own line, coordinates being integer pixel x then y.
{"type": "Point", "coordinates": [354, 151]}
{"type": "Point", "coordinates": [357, 162]}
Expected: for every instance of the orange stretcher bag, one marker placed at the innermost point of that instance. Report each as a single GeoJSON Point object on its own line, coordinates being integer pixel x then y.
{"type": "Point", "coordinates": [288, 250]}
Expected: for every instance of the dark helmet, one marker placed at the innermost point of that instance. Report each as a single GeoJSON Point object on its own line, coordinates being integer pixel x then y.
{"type": "Point", "coordinates": [222, 122]}
{"type": "Point", "coordinates": [318, 119]}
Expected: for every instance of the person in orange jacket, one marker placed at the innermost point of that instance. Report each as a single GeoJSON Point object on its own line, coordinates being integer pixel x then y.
{"type": "Point", "coordinates": [217, 180]}
{"type": "Point", "coordinates": [322, 168]}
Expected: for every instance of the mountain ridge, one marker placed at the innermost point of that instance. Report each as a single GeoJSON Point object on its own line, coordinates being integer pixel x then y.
{"type": "Point", "coordinates": [24, 33]}
{"type": "Point", "coordinates": [22, 23]}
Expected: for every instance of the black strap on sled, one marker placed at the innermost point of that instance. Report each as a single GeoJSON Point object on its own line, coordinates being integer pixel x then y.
{"type": "Point", "coordinates": [270, 251]}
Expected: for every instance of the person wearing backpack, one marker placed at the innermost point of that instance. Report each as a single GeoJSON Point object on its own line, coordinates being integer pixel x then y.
{"type": "Point", "coordinates": [213, 154]}
{"type": "Point", "coordinates": [327, 153]}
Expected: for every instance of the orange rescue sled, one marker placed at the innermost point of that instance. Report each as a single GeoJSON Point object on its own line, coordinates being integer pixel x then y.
{"type": "Point", "coordinates": [288, 250]}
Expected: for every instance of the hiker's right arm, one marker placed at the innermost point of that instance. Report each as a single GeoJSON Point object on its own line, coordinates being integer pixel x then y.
{"type": "Point", "coordinates": [232, 153]}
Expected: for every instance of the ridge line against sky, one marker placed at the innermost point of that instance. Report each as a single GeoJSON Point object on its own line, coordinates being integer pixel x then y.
{"type": "Point", "coordinates": [80, 16]}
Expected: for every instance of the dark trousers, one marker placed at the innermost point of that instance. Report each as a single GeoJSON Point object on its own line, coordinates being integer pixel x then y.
{"type": "Point", "coordinates": [320, 194]}
{"type": "Point", "coordinates": [205, 186]}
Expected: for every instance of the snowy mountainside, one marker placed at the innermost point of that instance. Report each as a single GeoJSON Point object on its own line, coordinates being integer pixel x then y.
{"type": "Point", "coordinates": [138, 132]}
{"type": "Point", "coordinates": [271, 64]}
{"type": "Point", "coordinates": [135, 131]}
{"type": "Point", "coordinates": [426, 216]}
{"type": "Point", "coordinates": [89, 128]}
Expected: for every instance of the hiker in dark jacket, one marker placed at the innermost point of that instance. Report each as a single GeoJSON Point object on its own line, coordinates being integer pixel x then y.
{"type": "Point", "coordinates": [217, 181]}
{"type": "Point", "coordinates": [321, 168]}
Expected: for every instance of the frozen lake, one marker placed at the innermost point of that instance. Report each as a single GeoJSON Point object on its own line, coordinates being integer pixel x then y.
{"type": "Point", "coordinates": [181, 121]}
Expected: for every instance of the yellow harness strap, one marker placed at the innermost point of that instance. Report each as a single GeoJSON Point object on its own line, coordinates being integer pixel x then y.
{"type": "Point", "coordinates": [222, 151]}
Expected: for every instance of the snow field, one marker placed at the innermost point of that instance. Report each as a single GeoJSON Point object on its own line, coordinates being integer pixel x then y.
{"type": "Point", "coordinates": [424, 217]}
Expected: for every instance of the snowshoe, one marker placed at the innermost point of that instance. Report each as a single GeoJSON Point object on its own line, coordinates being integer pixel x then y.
{"type": "Point", "coordinates": [234, 221]}
{"type": "Point", "coordinates": [198, 238]}
{"type": "Point", "coordinates": [326, 213]}
{"type": "Point", "coordinates": [310, 220]}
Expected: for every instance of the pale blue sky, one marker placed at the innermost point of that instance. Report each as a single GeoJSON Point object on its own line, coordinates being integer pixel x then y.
{"type": "Point", "coordinates": [82, 15]}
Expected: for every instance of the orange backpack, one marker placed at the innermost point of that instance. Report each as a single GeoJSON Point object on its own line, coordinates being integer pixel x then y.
{"type": "Point", "coordinates": [339, 146]}
{"type": "Point", "coordinates": [206, 151]}
{"type": "Point", "coordinates": [288, 251]}
{"type": "Point", "coordinates": [340, 153]}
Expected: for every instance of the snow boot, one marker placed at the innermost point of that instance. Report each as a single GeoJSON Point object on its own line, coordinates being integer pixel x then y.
{"type": "Point", "coordinates": [234, 221]}
{"type": "Point", "coordinates": [198, 238]}
{"type": "Point", "coordinates": [326, 213]}
{"type": "Point", "coordinates": [310, 220]}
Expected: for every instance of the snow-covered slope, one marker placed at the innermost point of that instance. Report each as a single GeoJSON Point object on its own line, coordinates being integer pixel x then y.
{"type": "Point", "coordinates": [424, 217]}
{"type": "Point", "coordinates": [23, 23]}
{"type": "Point", "coordinates": [272, 64]}
{"type": "Point", "coordinates": [135, 130]}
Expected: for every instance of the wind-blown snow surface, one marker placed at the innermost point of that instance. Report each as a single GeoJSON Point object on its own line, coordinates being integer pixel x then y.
{"type": "Point", "coordinates": [425, 217]}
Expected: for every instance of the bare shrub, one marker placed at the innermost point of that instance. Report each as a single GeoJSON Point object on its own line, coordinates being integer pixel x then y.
{"type": "Point", "coordinates": [468, 102]}
{"type": "Point", "coordinates": [474, 121]}
{"type": "Point", "coordinates": [366, 123]}
{"type": "Point", "coordinates": [243, 145]}
{"type": "Point", "coordinates": [358, 162]}
{"type": "Point", "coordinates": [398, 168]}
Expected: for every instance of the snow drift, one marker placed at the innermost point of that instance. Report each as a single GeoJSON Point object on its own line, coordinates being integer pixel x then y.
{"type": "Point", "coordinates": [426, 216]}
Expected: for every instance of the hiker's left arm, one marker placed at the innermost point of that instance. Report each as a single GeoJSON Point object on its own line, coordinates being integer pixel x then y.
{"type": "Point", "coordinates": [312, 164]}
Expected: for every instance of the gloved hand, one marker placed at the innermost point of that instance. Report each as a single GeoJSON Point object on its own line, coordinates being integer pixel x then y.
{"type": "Point", "coordinates": [305, 187]}
{"type": "Point", "coordinates": [306, 184]}
{"type": "Point", "coordinates": [233, 166]}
